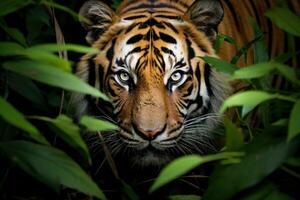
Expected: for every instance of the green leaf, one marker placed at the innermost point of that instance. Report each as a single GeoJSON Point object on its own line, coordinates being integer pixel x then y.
{"type": "Point", "coordinates": [10, 49]}
{"type": "Point", "coordinates": [128, 190]}
{"type": "Point", "coordinates": [47, 58]}
{"type": "Point", "coordinates": [35, 24]}
{"type": "Point", "coordinates": [26, 88]}
{"type": "Point", "coordinates": [69, 47]}
{"type": "Point", "coordinates": [14, 34]}
{"type": "Point", "coordinates": [264, 155]}
{"type": "Point", "coordinates": [221, 38]}
{"type": "Point", "coordinates": [220, 65]}
{"type": "Point", "coordinates": [294, 123]}
{"type": "Point", "coordinates": [244, 50]}
{"type": "Point", "coordinates": [93, 124]}
{"type": "Point", "coordinates": [182, 165]}
{"type": "Point", "coordinates": [267, 192]}
{"type": "Point", "coordinates": [69, 132]}
{"type": "Point", "coordinates": [285, 19]}
{"type": "Point", "coordinates": [37, 54]}
{"type": "Point", "coordinates": [288, 72]}
{"type": "Point", "coordinates": [50, 166]}
{"type": "Point", "coordinates": [184, 197]}
{"type": "Point", "coordinates": [248, 99]}
{"type": "Point", "coordinates": [14, 117]}
{"type": "Point", "coordinates": [253, 71]}
{"type": "Point", "coordinates": [52, 76]}
{"type": "Point", "coordinates": [9, 6]}
{"type": "Point", "coordinates": [234, 137]}
{"type": "Point", "coordinates": [260, 48]}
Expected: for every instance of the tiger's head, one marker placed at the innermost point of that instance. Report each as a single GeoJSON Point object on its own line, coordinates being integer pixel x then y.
{"type": "Point", "coordinates": [165, 98]}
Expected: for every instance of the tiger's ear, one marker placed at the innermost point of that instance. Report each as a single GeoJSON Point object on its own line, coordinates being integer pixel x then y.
{"type": "Point", "coordinates": [206, 15]}
{"type": "Point", "coordinates": [97, 17]}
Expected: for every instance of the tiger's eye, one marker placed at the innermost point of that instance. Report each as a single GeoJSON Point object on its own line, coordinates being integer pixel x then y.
{"type": "Point", "coordinates": [124, 76]}
{"type": "Point", "coordinates": [176, 77]}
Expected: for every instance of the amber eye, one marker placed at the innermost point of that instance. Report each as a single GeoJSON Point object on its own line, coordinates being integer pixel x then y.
{"type": "Point", "coordinates": [176, 77]}
{"type": "Point", "coordinates": [124, 76]}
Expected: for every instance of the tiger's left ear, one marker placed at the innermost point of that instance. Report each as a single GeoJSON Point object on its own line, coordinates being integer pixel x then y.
{"type": "Point", "coordinates": [98, 18]}
{"type": "Point", "coordinates": [206, 15]}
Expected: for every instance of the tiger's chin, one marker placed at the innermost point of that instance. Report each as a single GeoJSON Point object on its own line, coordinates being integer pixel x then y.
{"type": "Point", "coordinates": [150, 157]}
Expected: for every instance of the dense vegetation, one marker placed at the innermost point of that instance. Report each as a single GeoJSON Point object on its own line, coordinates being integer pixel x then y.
{"type": "Point", "coordinates": [44, 156]}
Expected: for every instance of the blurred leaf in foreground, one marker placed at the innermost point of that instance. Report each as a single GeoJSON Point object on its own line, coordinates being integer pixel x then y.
{"type": "Point", "coordinates": [182, 165]}
{"type": "Point", "coordinates": [263, 155]}
{"type": "Point", "coordinates": [93, 124]}
{"type": "Point", "coordinates": [69, 132]}
{"type": "Point", "coordinates": [294, 123]}
{"type": "Point", "coordinates": [9, 6]}
{"type": "Point", "coordinates": [16, 118]}
{"type": "Point", "coordinates": [285, 19]}
{"type": "Point", "coordinates": [50, 166]}
{"type": "Point", "coordinates": [52, 76]}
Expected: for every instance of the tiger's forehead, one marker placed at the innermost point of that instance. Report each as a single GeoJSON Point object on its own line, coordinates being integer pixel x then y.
{"type": "Point", "coordinates": [154, 38]}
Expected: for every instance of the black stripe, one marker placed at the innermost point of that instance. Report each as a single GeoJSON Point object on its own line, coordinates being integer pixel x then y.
{"type": "Point", "coordinates": [135, 39]}
{"type": "Point", "coordinates": [171, 26]}
{"type": "Point", "coordinates": [167, 38]}
{"type": "Point", "coordinates": [110, 52]}
{"type": "Point", "coordinates": [207, 74]}
{"type": "Point", "coordinates": [169, 17]}
{"type": "Point", "coordinates": [134, 17]}
{"type": "Point", "coordinates": [101, 76]}
{"type": "Point", "coordinates": [152, 6]}
{"type": "Point", "coordinates": [168, 51]}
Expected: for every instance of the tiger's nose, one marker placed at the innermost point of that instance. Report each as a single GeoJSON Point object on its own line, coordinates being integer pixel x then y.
{"type": "Point", "coordinates": [148, 133]}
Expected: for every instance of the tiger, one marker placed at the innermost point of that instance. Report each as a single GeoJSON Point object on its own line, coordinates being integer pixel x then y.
{"type": "Point", "coordinates": [164, 97]}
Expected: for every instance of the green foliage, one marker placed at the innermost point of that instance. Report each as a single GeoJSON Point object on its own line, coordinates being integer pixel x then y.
{"type": "Point", "coordinates": [50, 166]}
{"type": "Point", "coordinates": [36, 78]}
{"type": "Point", "coordinates": [184, 164]}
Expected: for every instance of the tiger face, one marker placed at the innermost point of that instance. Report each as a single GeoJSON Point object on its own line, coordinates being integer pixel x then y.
{"type": "Point", "coordinates": [165, 98]}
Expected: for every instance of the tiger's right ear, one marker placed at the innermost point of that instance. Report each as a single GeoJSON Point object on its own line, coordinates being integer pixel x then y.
{"type": "Point", "coordinates": [97, 18]}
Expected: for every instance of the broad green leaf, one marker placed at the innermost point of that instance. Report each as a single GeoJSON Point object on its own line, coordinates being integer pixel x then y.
{"type": "Point", "coordinates": [184, 197]}
{"type": "Point", "coordinates": [220, 65]}
{"type": "Point", "coordinates": [295, 162]}
{"type": "Point", "coordinates": [281, 122]}
{"type": "Point", "coordinates": [283, 58]}
{"type": "Point", "coordinates": [260, 49]}
{"type": "Point", "coordinates": [93, 124]}
{"type": "Point", "coordinates": [128, 190]}
{"type": "Point", "coordinates": [15, 34]}
{"type": "Point", "coordinates": [248, 99]}
{"type": "Point", "coordinates": [285, 19]}
{"type": "Point", "coordinates": [264, 155]}
{"type": "Point", "coordinates": [26, 88]}
{"type": "Point", "coordinates": [35, 24]}
{"type": "Point", "coordinates": [234, 137]}
{"type": "Point", "coordinates": [10, 49]}
{"type": "Point", "coordinates": [38, 54]}
{"type": "Point", "coordinates": [51, 166]}
{"type": "Point", "coordinates": [52, 76]}
{"type": "Point", "coordinates": [16, 118]}
{"type": "Point", "coordinates": [288, 72]}
{"type": "Point", "coordinates": [69, 132]}
{"type": "Point", "coordinates": [253, 71]}
{"type": "Point", "coordinates": [182, 165]}
{"type": "Point", "coordinates": [9, 6]}
{"type": "Point", "coordinates": [267, 192]}
{"type": "Point", "coordinates": [294, 123]}
{"type": "Point", "coordinates": [48, 58]}
{"type": "Point", "coordinates": [68, 47]}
